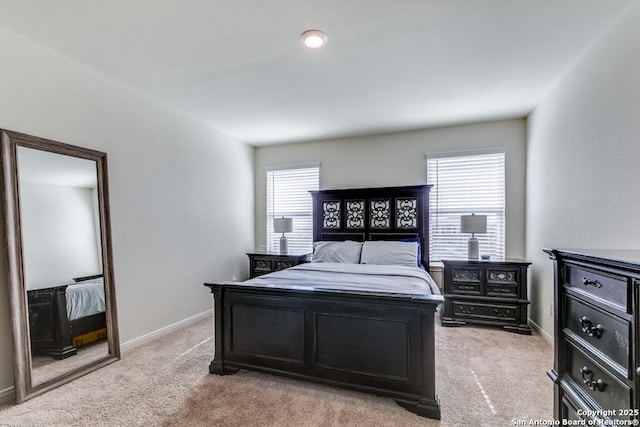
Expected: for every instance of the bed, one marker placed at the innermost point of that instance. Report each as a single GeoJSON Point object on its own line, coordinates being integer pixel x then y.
{"type": "Point", "coordinates": [63, 318]}
{"type": "Point", "coordinates": [371, 329]}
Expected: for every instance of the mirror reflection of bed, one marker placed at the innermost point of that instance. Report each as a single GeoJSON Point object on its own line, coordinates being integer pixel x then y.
{"type": "Point", "coordinates": [62, 261]}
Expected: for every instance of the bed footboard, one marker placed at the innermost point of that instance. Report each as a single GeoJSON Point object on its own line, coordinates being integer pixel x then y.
{"type": "Point", "coordinates": [377, 344]}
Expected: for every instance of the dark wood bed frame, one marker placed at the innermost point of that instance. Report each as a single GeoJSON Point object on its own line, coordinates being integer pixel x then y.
{"type": "Point", "coordinates": [382, 344]}
{"type": "Point", "coordinates": [51, 332]}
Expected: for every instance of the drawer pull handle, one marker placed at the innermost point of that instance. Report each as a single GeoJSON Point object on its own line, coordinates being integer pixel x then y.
{"type": "Point", "coordinates": [467, 288]}
{"type": "Point", "coordinates": [465, 309]}
{"type": "Point", "coordinates": [587, 378]}
{"type": "Point", "coordinates": [500, 313]}
{"type": "Point", "coordinates": [591, 282]}
{"type": "Point", "coordinates": [588, 328]}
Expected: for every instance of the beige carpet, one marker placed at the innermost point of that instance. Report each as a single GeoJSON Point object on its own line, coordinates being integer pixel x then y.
{"type": "Point", "coordinates": [45, 368]}
{"type": "Point", "coordinates": [486, 377]}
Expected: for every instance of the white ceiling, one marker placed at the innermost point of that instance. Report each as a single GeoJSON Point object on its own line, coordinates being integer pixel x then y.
{"type": "Point", "coordinates": [389, 65]}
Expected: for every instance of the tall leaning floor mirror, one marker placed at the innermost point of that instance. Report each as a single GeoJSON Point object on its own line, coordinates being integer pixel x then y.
{"type": "Point", "coordinates": [60, 267]}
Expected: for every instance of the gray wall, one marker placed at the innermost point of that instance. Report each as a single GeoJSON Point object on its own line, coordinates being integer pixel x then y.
{"type": "Point", "coordinates": [400, 159]}
{"type": "Point", "coordinates": [182, 199]}
{"type": "Point", "coordinates": [58, 234]}
{"type": "Point", "coordinates": [583, 178]}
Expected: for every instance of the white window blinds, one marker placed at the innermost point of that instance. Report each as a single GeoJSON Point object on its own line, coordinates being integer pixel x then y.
{"type": "Point", "coordinates": [288, 196]}
{"type": "Point", "coordinates": [462, 185]}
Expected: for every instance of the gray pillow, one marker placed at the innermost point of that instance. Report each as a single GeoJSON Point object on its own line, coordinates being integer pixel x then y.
{"type": "Point", "coordinates": [345, 252]}
{"type": "Point", "coordinates": [390, 253]}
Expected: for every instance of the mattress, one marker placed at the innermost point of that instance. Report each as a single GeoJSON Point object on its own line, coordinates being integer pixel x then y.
{"type": "Point", "coordinates": [354, 278]}
{"type": "Point", "coordinates": [85, 299]}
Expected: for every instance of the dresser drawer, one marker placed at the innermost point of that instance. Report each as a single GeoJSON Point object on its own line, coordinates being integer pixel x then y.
{"type": "Point", "coordinates": [502, 276]}
{"type": "Point", "coordinates": [282, 265]}
{"type": "Point", "coordinates": [605, 332]}
{"type": "Point", "coordinates": [262, 265]}
{"type": "Point", "coordinates": [503, 291]}
{"type": "Point", "coordinates": [612, 288]}
{"type": "Point", "coordinates": [474, 310]}
{"type": "Point", "coordinates": [597, 382]}
{"type": "Point", "coordinates": [466, 281]}
{"type": "Point", "coordinates": [466, 275]}
{"type": "Point", "coordinates": [503, 282]}
{"type": "Point", "coordinates": [569, 411]}
{"type": "Point", "coordinates": [466, 288]}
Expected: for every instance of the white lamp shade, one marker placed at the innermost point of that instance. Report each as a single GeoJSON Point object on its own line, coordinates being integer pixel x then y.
{"type": "Point", "coordinates": [282, 225]}
{"type": "Point", "coordinates": [473, 223]}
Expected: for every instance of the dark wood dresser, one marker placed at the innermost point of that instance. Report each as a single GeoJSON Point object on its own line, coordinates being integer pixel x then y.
{"type": "Point", "coordinates": [486, 292]}
{"type": "Point", "coordinates": [596, 355]}
{"type": "Point", "coordinates": [266, 262]}
{"type": "Point", "coordinates": [49, 329]}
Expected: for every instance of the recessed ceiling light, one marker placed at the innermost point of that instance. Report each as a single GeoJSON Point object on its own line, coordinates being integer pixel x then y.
{"type": "Point", "coordinates": [313, 39]}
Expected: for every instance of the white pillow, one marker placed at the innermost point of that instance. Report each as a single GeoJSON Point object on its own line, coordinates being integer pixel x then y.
{"type": "Point", "coordinates": [345, 252]}
{"type": "Point", "coordinates": [390, 253]}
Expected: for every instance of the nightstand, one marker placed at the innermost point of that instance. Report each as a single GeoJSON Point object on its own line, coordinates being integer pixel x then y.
{"type": "Point", "coordinates": [487, 293]}
{"type": "Point", "coordinates": [267, 262]}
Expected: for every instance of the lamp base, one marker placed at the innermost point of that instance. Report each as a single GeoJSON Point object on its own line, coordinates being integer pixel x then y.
{"type": "Point", "coordinates": [472, 248]}
{"type": "Point", "coordinates": [283, 245]}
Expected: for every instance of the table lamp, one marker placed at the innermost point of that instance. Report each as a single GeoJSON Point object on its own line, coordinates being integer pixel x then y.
{"type": "Point", "coordinates": [473, 224]}
{"type": "Point", "coordinates": [283, 225]}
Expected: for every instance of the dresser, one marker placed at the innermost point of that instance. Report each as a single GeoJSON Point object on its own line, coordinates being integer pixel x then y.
{"type": "Point", "coordinates": [267, 262]}
{"type": "Point", "coordinates": [596, 355]}
{"type": "Point", "coordinates": [486, 292]}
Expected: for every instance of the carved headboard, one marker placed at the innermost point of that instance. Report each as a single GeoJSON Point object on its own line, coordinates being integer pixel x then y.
{"type": "Point", "coordinates": [387, 213]}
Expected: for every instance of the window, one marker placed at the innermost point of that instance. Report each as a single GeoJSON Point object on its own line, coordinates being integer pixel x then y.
{"type": "Point", "coordinates": [288, 196]}
{"type": "Point", "coordinates": [464, 184]}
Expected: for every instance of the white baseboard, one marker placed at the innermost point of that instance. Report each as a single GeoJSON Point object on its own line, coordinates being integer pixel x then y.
{"type": "Point", "coordinates": [7, 395]}
{"type": "Point", "coordinates": [163, 331]}
{"type": "Point", "coordinates": [548, 338]}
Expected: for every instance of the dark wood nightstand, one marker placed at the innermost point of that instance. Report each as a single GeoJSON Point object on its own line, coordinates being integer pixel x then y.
{"type": "Point", "coordinates": [267, 262]}
{"type": "Point", "coordinates": [486, 292]}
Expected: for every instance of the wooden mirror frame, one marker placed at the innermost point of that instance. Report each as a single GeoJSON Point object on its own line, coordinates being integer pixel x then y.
{"type": "Point", "coordinates": [23, 387]}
